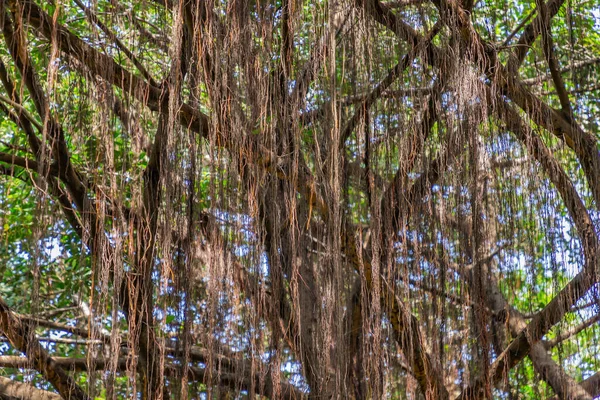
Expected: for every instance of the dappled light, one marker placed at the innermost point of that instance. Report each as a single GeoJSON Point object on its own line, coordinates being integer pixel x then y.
{"type": "Point", "coordinates": [335, 199]}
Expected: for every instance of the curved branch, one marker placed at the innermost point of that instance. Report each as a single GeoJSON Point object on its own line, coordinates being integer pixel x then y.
{"type": "Point", "coordinates": [22, 337]}
{"type": "Point", "coordinates": [24, 120]}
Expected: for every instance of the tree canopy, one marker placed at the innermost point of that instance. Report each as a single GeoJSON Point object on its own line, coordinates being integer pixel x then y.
{"type": "Point", "coordinates": [292, 199]}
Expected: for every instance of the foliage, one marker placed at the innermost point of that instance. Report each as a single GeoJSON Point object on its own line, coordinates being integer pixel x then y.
{"type": "Point", "coordinates": [348, 199]}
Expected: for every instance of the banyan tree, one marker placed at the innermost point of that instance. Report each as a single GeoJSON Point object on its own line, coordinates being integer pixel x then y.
{"type": "Point", "coordinates": [338, 199]}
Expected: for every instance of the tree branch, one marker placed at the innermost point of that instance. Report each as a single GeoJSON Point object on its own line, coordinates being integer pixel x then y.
{"type": "Point", "coordinates": [107, 68]}
{"type": "Point", "coordinates": [22, 111]}
{"type": "Point", "coordinates": [94, 19]}
{"type": "Point", "coordinates": [504, 79]}
{"type": "Point", "coordinates": [362, 109]}
{"type": "Point", "coordinates": [574, 66]}
{"type": "Point", "coordinates": [56, 136]}
{"type": "Point", "coordinates": [572, 332]}
{"type": "Point", "coordinates": [22, 337]}
{"type": "Point", "coordinates": [531, 33]}
{"type": "Point", "coordinates": [23, 391]}
{"type": "Point", "coordinates": [237, 378]}
{"type": "Point", "coordinates": [548, 49]}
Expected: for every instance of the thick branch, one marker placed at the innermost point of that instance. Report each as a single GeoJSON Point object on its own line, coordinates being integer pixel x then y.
{"type": "Point", "coordinates": [22, 337]}
{"type": "Point", "coordinates": [236, 379]}
{"type": "Point", "coordinates": [57, 326]}
{"type": "Point", "coordinates": [24, 391]}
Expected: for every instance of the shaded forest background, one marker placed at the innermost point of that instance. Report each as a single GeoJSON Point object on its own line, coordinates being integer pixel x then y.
{"type": "Point", "coordinates": [230, 199]}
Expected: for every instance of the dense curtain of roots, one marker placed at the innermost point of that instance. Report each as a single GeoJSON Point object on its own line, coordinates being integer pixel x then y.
{"type": "Point", "coordinates": [326, 199]}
